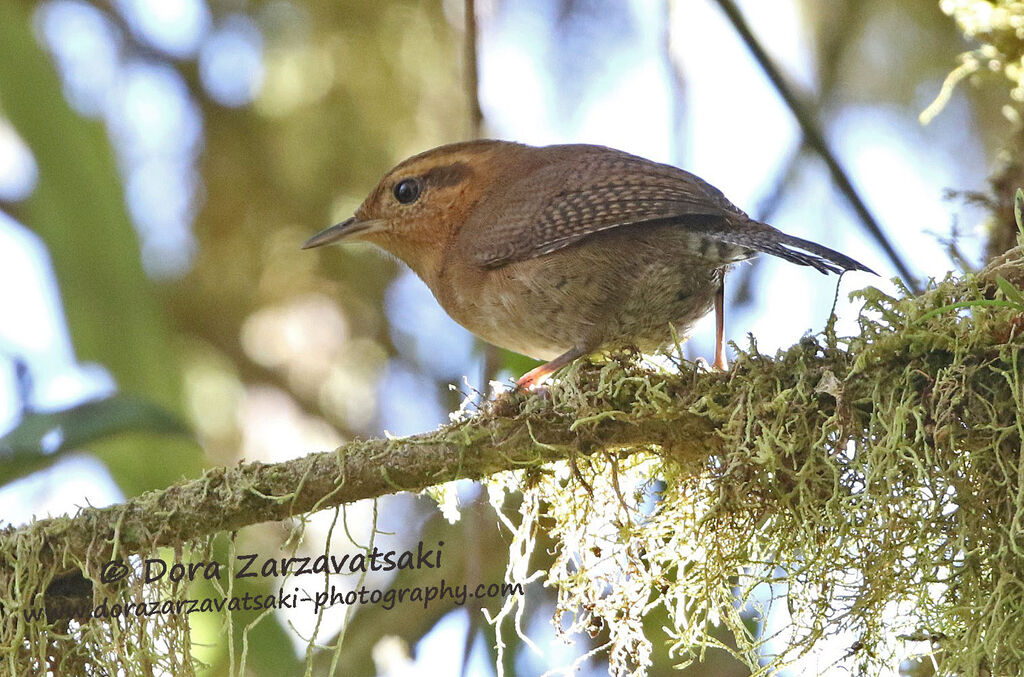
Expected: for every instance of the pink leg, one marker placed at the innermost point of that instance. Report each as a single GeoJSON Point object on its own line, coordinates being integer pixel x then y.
{"type": "Point", "coordinates": [538, 375]}
{"type": "Point", "coordinates": [721, 364]}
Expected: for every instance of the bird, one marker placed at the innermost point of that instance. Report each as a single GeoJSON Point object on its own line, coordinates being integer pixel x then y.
{"type": "Point", "coordinates": [557, 252]}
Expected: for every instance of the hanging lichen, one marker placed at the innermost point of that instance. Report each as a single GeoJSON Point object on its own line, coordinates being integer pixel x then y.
{"type": "Point", "coordinates": [869, 486]}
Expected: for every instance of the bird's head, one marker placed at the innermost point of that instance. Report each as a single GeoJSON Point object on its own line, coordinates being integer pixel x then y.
{"type": "Point", "coordinates": [422, 203]}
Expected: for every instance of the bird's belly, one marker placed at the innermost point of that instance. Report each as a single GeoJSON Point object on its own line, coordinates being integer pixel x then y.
{"type": "Point", "coordinates": [601, 293]}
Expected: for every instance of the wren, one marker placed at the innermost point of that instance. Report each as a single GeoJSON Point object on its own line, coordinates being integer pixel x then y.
{"type": "Point", "coordinates": [557, 252]}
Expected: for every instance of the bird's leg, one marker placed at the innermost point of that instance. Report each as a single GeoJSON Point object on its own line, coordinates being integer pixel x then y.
{"type": "Point", "coordinates": [538, 375]}
{"type": "Point", "coordinates": [721, 364]}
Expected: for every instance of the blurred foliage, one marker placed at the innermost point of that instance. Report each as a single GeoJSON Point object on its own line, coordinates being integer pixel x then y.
{"type": "Point", "coordinates": [78, 209]}
{"type": "Point", "coordinates": [348, 90]}
{"type": "Point", "coordinates": [999, 26]}
{"type": "Point", "coordinates": [996, 29]}
{"type": "Point", "coordinates": [42, 438]}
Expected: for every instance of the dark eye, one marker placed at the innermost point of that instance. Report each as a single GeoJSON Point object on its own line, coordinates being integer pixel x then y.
{"type": "Point", "coordinates": [407, 190]}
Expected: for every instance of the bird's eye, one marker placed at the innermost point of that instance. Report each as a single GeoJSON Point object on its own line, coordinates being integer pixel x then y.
{"type": "Point", "coordinates": [408, 190]}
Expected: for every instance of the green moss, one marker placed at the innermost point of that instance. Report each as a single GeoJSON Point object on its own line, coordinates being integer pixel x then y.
{"type": "Point", "coordinates": [871, 485]}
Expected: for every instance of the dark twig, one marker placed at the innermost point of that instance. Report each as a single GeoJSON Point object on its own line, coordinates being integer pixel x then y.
{"type": "Point", "coordinates": [492, 361]}
{"type": "Point", "coordinates": [815, 139]}
{"type": "Point", "coordinates": [476, 114]}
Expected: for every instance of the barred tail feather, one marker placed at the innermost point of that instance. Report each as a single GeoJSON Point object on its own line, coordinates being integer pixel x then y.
{"type": "Point", "coordinates": [764, 238]}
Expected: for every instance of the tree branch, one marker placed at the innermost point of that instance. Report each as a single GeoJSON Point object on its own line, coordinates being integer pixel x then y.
{"type": "Point", "coordinates": [615, 406]}
{"type": "Point", "coordinates": [225, 499]}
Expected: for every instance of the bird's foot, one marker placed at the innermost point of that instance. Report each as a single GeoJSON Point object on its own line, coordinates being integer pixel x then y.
{"type": "Point", "coordinates": [718, 366]}
{"type": "Point", "coordinates": [531, 381]}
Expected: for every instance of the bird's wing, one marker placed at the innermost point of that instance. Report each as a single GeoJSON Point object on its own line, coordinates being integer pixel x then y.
{"type": "Point", "coordinates": [587, 190]}
{"type": "Point", "coordinates": [586, 193]}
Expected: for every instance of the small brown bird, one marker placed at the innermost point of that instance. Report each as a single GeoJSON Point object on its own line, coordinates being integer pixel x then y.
{"type": "Point", "coordinates": [556, 252]}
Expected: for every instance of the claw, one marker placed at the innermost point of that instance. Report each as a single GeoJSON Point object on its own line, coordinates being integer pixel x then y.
{"type": "Point", "coordinates": [532, 379]}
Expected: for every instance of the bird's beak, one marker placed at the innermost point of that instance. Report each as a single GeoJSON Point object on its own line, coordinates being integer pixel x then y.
{"type": "Point", "coordinates": [345, 229]}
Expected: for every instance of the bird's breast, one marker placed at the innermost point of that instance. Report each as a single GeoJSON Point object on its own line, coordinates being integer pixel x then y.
{"type": "Point", "coordinates": [613, 288]}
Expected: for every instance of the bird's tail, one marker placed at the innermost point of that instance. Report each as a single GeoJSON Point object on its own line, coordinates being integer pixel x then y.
{"type": "Point", "coordinates": [764, 238]}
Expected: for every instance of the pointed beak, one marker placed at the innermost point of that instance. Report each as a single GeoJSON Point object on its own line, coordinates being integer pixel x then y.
{"type": "Point", "coordinates": [345, 229]}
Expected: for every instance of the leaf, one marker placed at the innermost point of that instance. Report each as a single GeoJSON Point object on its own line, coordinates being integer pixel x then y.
{"type": "Point", "coordinates": [1018, 208]}
{"type": "Point", "coordinates": [42, 438]}
{"type": "Point", "coordinates": [979, 303]}
{"type": "Point", "coordinates": [1009, 291]}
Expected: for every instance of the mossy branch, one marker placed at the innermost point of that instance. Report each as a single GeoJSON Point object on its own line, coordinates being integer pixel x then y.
{"type": "Point", "coordinates": [516, 432]}
{"type": "Point", "coordinates": [819, 451]}
{"type": "Point", "coordinates": [593, 407]}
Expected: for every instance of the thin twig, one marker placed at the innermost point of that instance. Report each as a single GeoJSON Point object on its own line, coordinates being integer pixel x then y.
{"type": "Point", "coordinates": [476, 114]}
{"type": "Point", "coordinates": [816, 140]}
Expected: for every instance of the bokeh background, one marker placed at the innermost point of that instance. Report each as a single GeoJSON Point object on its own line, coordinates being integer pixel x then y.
{"type": "Point", "coordinates": [162, 161]}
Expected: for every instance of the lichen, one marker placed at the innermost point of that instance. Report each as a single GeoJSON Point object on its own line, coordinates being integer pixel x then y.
{"type": "Point", "coordinates": [868, 486]}
{"type": "Point", "coordinates": [66, 641]}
